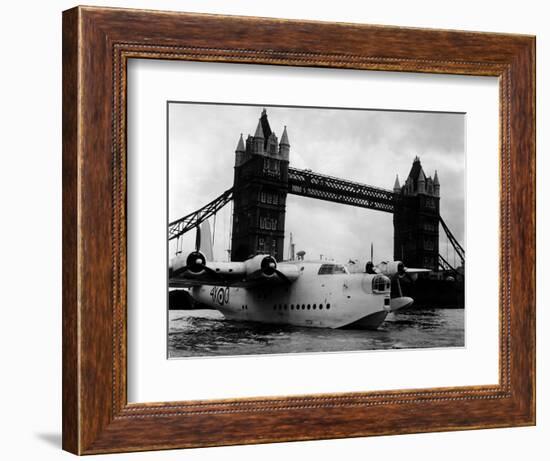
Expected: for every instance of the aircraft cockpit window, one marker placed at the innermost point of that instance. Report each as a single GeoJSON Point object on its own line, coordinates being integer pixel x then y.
{"type": "Point", "coordinates": [380, 283]}
{"type": "Point", "coordinates": [330, 269]}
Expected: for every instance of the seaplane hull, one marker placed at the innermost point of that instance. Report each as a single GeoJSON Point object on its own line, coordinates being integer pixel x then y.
{"type": "Point", "coordinates": [331, 301]}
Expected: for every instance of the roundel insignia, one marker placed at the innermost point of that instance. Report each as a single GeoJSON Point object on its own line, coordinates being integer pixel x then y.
{"type": "Point", "coordinates": [220, 297]}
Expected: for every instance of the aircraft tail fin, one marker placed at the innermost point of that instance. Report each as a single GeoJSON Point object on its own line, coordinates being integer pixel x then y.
{"type": "Point", "coordinates": [206, 241]}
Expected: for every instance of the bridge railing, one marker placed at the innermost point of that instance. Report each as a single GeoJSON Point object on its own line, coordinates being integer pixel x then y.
{"type": "Point", "coordinates": [324, 187]}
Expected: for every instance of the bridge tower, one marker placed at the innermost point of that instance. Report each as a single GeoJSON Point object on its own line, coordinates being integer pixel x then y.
{"type": "Point", "coordinates": [416, 219]}
{"type": "Point", "coordinates": [260, 189]}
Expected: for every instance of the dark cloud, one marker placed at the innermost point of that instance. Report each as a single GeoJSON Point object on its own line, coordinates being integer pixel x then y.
{"type": "Point", "coordinates": [369, 146]}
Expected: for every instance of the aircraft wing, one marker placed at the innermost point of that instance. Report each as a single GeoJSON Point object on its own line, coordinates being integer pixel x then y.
{"type": "Point", "coordinates": [286, 273]}
{"type": "Point", "coordinates": [413, 270]}
{"type": "Point", "coordinates": [194, 270]}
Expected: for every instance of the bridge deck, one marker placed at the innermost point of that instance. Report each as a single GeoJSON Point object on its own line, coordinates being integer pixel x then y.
{"type": "Point", "coordinates": [323, 187]}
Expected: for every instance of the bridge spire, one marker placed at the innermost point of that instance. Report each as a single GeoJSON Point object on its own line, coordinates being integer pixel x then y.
{"type": "Point", "coordinates": [266, 129]}
{"type": "Point", "coordinates": [284, 138]}
{"type": "Point", "coordinates": [436, 184]}
{"type": "Point", "coordinates": [284, 145]}
{"type": "Point", "coordinates": [240, 151]}
{"type": "Point", "coordinates": [259, 134]}
{"type": "Point", "coordinates": [397, 186]}
{"type": "Point", "coordinates": [258, 140]}
{"type": "Point", "coordinates": [240, 145]}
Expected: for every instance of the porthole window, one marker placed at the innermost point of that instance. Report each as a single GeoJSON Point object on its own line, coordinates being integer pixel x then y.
{"type": "Point", "coordinates": [291, 306]}
{"type": "Point", "coordinates": [309, 306]}
{"type": "Point", "coordinates": [328, 305]}
{"type": "Point", "coordinates": [314, 306]}
{"type": "Point", "coordinates": [320, 306]}
{"type": "Point", "coordinates": [303, 306]}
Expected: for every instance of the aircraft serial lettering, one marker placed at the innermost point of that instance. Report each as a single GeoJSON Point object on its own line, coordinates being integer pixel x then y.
{"type": "Point", "coordinates": [220, 295]}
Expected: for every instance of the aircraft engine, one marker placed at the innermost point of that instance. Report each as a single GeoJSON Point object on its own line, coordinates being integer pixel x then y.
{"type": "Point", "coordinates": [261, 266]}
{"type": "Point", "coordinates": [268, 265]}
{"type": "Point", "coordinates": [391, 268]}
{"type": "Point", "coordinates": [195, 262]}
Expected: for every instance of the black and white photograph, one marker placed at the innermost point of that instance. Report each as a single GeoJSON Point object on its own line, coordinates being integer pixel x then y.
{"type": "Point", "coordinates": [275, 230]}
{"type": "Point", "coordinates": [313, 229]}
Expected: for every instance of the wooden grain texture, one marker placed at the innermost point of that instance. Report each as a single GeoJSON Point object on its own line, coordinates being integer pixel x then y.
{"type": "Point", "coordinates": [70, 385]}
{"type": "Point", "coordinates": [97, 43]}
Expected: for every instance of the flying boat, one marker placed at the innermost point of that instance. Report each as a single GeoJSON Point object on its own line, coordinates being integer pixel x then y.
{"type": "Point", "coordinates": [322, 294]}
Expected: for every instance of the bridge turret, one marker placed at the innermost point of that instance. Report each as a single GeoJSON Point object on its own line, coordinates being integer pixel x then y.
{"type": "Point", "coordinates": [260, 190]}
{"type": "Point", "coordinates": [436, 184]}
{"type": "Point", "coordinates": [416, 219]}
{"type": "Point", "coordinates": [240, 152]}
{"type": "Point", "coordinates": [396, 185]}
{"type": "Point", "coordinates": [284, 146]}
{"type": "Point", "coordinates": [258, 140]}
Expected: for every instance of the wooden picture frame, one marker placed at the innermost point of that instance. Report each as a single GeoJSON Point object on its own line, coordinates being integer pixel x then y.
{"type": "Point", "coordinates": [97, 43]}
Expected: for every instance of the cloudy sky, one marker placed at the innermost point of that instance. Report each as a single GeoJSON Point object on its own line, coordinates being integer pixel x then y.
{"type": "Point", "coordinates": [369, 146]}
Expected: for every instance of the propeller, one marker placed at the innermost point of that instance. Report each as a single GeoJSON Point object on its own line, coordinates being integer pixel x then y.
{"type": "Point", "coordinates": [282, 276]}
{"type": "Point", "coordinates": [198, 239]}
{"type": "Point", "coordinates": [401, 269]}
{"type": "Point", "coordinates": [407, 272]}
{"type": "Point", "coordinates": [369, 267]}
{"type": "Point", "coordinates": [268, 267]}
{"type": "Point", "coordinates": [196, 261]}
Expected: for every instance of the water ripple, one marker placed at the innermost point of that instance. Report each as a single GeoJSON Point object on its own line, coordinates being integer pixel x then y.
{"type": "Point", "coordinates": [206, 333]}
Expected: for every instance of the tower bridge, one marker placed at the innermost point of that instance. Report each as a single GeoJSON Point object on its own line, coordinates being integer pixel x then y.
{"type": "Point", "coordinates": [263, 179]}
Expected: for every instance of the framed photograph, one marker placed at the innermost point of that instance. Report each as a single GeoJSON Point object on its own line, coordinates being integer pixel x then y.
{"type": "Point", "coordinates": [282, 230]}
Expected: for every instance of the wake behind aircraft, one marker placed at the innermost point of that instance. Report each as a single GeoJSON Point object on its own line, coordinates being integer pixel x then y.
{"type": "Point", "coordinates": [318, 294]}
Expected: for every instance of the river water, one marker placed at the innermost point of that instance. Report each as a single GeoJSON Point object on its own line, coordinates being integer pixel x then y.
{"type": "Point", "coordinates": [205, 333]}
